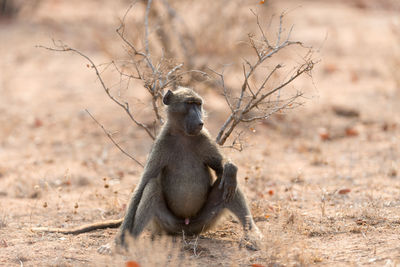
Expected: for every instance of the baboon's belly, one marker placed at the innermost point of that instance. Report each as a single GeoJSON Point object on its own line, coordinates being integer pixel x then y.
{"type": "Point", "coordinates": [186, 194]}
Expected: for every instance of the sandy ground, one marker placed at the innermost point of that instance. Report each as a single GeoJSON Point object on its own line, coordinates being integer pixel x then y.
{"type": "Point", "coordinates": [322, 180]}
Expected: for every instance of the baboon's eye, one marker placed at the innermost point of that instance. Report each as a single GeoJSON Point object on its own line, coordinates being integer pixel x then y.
{"type": "Point", "coordinates": [194, 103]}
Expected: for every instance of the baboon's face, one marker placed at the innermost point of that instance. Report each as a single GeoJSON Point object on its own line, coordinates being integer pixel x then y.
{"type": "Point", "coordinates": [185, 109]}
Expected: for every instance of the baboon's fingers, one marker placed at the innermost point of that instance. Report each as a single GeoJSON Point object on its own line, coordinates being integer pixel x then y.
{"type": "Point", "coordinates": [229, 192]}
{"type": "Point", "coordinates": [221, 184]}
{"type": "Point", "coordinates": [229, 185]}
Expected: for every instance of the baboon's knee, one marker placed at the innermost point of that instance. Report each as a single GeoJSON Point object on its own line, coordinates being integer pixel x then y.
{"type": "Point", "coordinates": [230, 169]}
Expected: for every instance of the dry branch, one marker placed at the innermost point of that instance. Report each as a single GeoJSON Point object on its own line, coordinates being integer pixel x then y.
{"type": "Point", "coordinates": [125, 106]}
{"type": "Point", "coordinates": [109, 135]}
{"type": "Point", "coordinates": [155, 76]}
{"type": "Point", "coordinates": [250, 104]}
{"type": "Point", "coordinates": [251, 100]}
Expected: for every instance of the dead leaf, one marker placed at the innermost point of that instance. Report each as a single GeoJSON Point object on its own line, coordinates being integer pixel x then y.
{"type": "Point", "coordinates": [387, 127]}
{"type": "Point", "coordinates": [350, 131]}
{"type": "Point", "coordinates": [132, 264]}
{"type": "Point", "coordinates": [344, 191]}
{"type": "Point", "coordinates": [120, 174]}
{"type": "Point", "coordinates": [392, 172]}
{"type": "Point", "coordinates": [354, 77]}
{"type": "Point", "coordinates": [37, 123]}
{"type": "Point", "coordinates": [330, 68]}
{"type": "Point", "coordinates": [324, 134]}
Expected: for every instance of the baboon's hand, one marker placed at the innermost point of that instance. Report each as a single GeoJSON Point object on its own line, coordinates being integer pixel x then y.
{"type": "Point", "coordinates": [228, 182]}
{"type": "Point", "coordinates": [229, 186]}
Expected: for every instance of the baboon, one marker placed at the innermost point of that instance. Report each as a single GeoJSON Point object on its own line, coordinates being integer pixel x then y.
{"type": "Point", "coordinates": [177, 191]}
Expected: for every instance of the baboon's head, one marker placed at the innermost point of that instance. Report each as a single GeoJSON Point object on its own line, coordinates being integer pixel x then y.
{"type": "Point", "coordinates": [184, 109]}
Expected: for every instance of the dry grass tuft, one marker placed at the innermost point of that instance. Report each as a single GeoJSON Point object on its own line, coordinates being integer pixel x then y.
{"type": "Point", "coordinates": [3, 219]}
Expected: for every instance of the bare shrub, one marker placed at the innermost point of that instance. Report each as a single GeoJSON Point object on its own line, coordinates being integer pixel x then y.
{"type": "Point", "coordinates": [258, 97]}
{"type": "Point", "coordinates": [259, 101]}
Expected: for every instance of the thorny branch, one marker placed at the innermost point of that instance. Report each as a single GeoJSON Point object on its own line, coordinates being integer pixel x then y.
{"type": "Point", "coordinates": [250, 104]}
{"type": "Point", "coordinates": [251, 100]}
{"type": "Point", "coordinates": [109, 135]}
{"type": "Point", "coordinates": [154, 76]}
{"type": "Point", "coordinates": [60, 47]}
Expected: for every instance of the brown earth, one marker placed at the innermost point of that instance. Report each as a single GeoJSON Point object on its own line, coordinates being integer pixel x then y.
{"type": "Point", "coordinates": [323, 179]}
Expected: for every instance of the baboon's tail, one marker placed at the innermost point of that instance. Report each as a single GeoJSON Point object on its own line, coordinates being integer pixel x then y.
{"type": "Point", "coordinates": [80, 229]}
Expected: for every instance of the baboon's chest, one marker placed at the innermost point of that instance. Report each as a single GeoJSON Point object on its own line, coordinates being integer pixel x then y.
{"type": "Point", "coordinates": [186, 183]}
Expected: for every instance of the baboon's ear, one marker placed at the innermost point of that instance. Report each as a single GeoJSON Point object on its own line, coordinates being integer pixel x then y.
{"type": "Point", "coordinates": [167, 97]}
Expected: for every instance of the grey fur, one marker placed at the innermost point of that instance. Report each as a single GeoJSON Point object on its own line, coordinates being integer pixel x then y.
{"type": "Point", "coordinates": [177, 191]}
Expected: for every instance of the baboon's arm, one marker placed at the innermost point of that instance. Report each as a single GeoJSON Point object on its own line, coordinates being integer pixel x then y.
{"type": "Point", "coordinates": [224, 169]}
{"type": "Point", "coordinates": [229, 181]}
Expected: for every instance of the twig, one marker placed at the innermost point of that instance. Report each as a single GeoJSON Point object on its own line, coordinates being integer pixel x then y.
{"type": "Point", "coordinates": [146, 26]}
{"type": "Point", "coordinates": [159, 77]}
{"type": "Point", "coordinates": [250, 99]}
{"type": "Point", "coordinates": [109, 135]}
{"type": "Point", "coordinates": [21, 264]}
{"type": "Point", "coordinates": [307, 67]}
{"type": "Point", "coordinates": [237, 142]}
{"type": "Point", "coordinates": [121, 30]}
{"type": "Point", "coordinates": [191, 245]}
{"type": "Point", "coordinates": [125, 106]}
{"type": "Point", "coordinates": [222, 84]}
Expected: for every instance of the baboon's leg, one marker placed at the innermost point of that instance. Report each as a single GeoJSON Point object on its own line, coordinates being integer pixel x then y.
{"type": "Point", "coordinates": [146, 209]}
{"type": "Point", "coordinates": [210, 213]}
{"type": "Point", "coordinates": [127, 224]}
{"type": "Point", "coordinates": [222, 192]}
{"type": "Point", "coordinates": [136, 218]}
{"type": "Point", "coordinates": [152, 206]}
{"type": "Point", "coordinates": [213, 209]}
{"type": "Point", "coordinates": [238, 206]}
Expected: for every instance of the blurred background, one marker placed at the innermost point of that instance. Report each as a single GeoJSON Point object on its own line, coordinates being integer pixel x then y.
{"type": "Point", "coordinates": [322, 178]}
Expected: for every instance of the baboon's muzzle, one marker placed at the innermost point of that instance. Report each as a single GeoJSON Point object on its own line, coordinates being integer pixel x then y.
{"type": "Point", "coordinates": [194, 122]}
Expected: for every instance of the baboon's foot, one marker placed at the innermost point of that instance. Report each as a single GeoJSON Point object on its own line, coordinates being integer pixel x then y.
{"type": "Point", "coordinates": [252, 239]}
{"type": "Point", "coordinates": [105, 249]}
{"type": "Point", "coordinates": [256, 233]}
